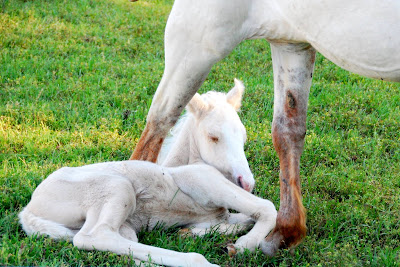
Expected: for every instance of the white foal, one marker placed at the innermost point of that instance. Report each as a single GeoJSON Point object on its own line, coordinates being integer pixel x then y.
{"type": "Point", "coordinates": [102, 206]}
{"type": "Point", "coordinates": [212, 132]}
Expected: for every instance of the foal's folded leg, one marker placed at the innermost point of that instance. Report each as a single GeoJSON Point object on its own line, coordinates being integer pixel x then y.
{"type": "Point", "coordinates": [222, 228]}
{"type": "Point", "coordinates": [215, 190]}
{"type": "Point", "coordinates": [233, 224]}
{"type": "Point", "coordinates": [240, 218]}
{"type": "Point", "coordinates": [101, 232]}
{"type": "Point", "coordinates": [127, 232]}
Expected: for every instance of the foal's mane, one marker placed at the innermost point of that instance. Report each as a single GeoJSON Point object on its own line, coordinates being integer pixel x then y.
{"type": "Point", "coordinates": [171, 138]}
{"type": "Point", "coordinates": [174, 132]}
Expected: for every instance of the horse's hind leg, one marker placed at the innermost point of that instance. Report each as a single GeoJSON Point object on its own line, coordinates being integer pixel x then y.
{"type": "Point", "coordinates": [196, 37]}
{"type": "Point", "coordinates": [293, 68]}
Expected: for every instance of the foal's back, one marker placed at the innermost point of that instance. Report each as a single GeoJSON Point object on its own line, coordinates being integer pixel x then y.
{"type": "Point", "coordinates": [69, 194]}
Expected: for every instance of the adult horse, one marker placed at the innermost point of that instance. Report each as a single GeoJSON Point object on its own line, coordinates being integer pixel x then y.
{"type": "Point", "coordinates": [360, 36]}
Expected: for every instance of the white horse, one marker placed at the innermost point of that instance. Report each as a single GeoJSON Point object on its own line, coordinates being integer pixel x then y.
{"type": "Point", "coordinates": [102, 206]}
{"type": "Point", "coordinates": [362, 36]}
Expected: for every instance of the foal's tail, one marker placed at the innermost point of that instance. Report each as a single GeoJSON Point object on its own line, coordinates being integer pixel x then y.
{"type": "Point", "coordinates": [33, 224]}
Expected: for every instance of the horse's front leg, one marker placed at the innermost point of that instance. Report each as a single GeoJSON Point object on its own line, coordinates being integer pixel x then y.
{"type": "Point", "coordinates": [196, 37]}
{"type": "Point", "coordinates": [293, 67]}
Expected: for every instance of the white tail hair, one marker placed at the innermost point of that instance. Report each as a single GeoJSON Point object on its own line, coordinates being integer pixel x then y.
{"type": "Point", "coordinates": [33, 224]}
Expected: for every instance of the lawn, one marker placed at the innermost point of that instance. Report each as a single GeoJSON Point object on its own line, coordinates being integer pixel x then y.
{"type": "Point", "coordinates": [76, 82]}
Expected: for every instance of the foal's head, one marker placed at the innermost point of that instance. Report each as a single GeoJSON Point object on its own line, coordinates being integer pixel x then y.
{"type": "Point", "coordinates": [220, 135]}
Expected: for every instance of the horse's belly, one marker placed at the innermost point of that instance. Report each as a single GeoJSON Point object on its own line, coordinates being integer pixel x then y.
{"type": "Point", "coordinates": [361, 36]}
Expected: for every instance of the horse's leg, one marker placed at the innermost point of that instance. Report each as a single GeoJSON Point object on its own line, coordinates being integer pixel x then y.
{"type": "Point", "coordinates": [293, 67]}
{"type": "Point", "coordinates": [195, 39]}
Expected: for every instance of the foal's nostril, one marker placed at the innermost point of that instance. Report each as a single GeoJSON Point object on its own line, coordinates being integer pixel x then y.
{"type": "Point", "coordinates": [243, 184]}
{"type": "Point", "coordinates": [240, 181]}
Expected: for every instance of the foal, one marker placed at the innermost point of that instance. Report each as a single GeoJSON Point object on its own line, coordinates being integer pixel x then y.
{"type": "Point", "coordinates": [102, 206]}
{"type": "Point", "coordinates": [211, 132]}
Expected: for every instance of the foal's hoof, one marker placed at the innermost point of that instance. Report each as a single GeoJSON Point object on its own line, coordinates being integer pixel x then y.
{"type": "Point", "coordinates": [185, 232]}
{"type": "Point", "coordinates": [231, 250]}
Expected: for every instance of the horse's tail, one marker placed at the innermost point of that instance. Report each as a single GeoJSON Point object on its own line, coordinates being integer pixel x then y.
{"type": "Point", "coordinates": [33, 224]}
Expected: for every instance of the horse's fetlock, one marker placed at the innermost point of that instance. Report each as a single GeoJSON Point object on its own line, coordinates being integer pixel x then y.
{"type": "Point", "coordinates": [292, 231]}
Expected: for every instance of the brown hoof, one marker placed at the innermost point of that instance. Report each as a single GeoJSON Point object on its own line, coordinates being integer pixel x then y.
{"type": "Point", "coordinates": [185, 232]}
{"type": "Point", "coordinates": [276, 240]}
{"type": "Point", "coordinates": [272, 243]}
{"type": "Point", "coordinates": [231, 250]}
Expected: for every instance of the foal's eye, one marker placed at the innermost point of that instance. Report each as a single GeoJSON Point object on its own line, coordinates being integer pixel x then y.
{"type": "Point", "coordinates": [214, 139]}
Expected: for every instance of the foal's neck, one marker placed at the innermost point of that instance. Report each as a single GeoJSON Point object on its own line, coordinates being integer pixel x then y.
{"type": "Point", "coordinates": [183, 151]}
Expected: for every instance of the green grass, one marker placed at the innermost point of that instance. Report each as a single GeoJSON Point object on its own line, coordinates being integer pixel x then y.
{"type": "Point", "coordinates": [76, 82]}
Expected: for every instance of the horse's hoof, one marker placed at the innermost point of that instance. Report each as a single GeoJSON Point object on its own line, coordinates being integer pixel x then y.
{"type": "Point", "coordinates": [185, 232]}
{"type": "Point", "coordinates": [269, 248]}
{"type": "Point", "coordinates": [231, 250]}
{"type": "Point", "coordinates": [271, 244]}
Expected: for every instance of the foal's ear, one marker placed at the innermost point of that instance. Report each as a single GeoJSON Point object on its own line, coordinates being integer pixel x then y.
{"type": "Point", "coordinates": [234, 96]}
{"type": "Point", "coordinates": [197, 105]}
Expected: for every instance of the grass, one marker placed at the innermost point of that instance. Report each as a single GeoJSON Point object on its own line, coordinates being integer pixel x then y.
{"type": "Point", "coordinates": [76, 82]}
